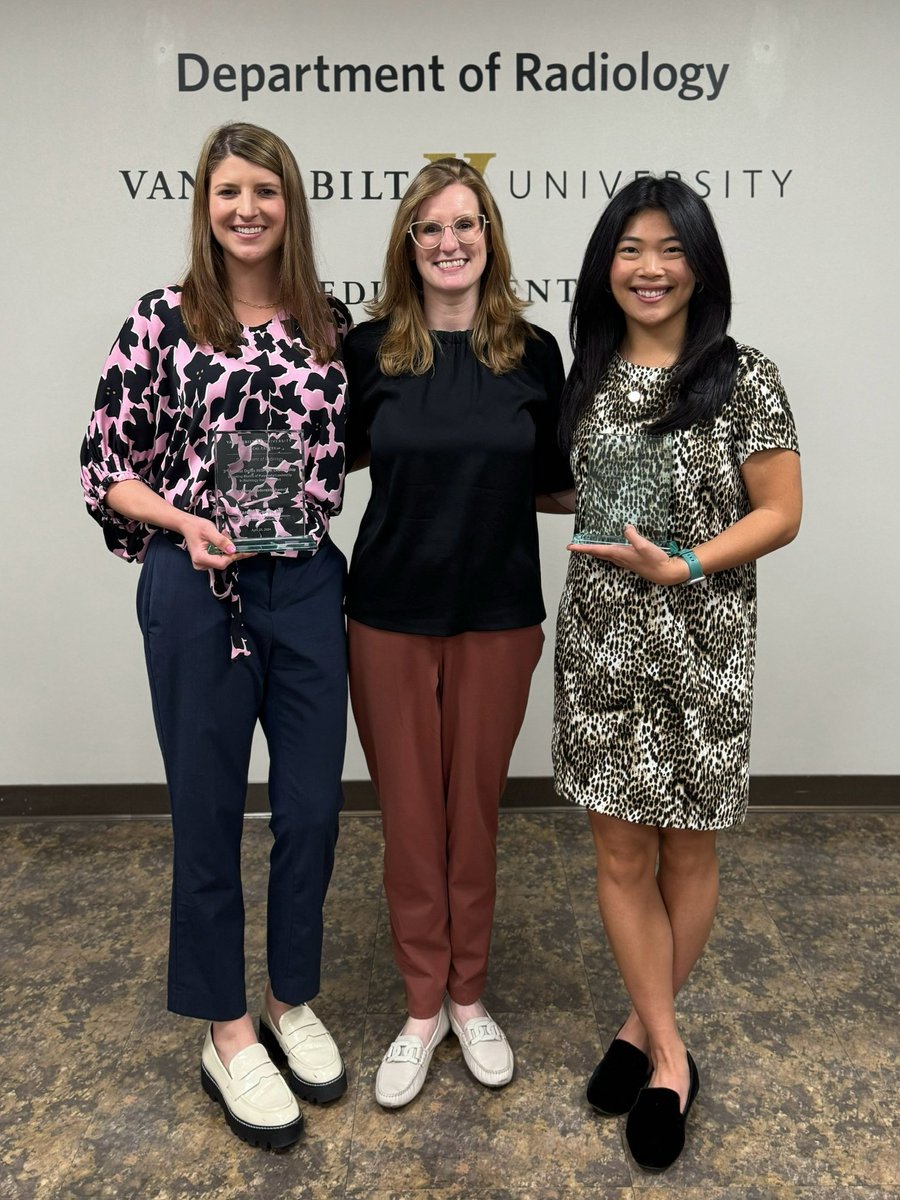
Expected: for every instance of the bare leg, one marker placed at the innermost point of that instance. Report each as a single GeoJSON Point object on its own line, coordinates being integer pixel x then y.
{"type": "Point", "coordinates": [230, 1037]}
{"type": "Point", "coordinates": [640, 935]}
{"type": "Point", "coordinates": [421, 1027]}
{"type": "Point", "coordinates": [276, 1008]}
{"type": "Point", "coordinates": [467, 1012]}
{"type": "Point", "coordinates": [688, 879]}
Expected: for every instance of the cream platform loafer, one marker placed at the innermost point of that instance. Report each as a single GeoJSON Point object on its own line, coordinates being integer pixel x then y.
{"type": "Point", "coordinates": [315, 1067]}
{"type": "Point", "coordinates": [257, 1102]}
{"type": "Point", "coordinates": [404, 1067]}
{"type": "Point", "coordinates": [486, 1051]}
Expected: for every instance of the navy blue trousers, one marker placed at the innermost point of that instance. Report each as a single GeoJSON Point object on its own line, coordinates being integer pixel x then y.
{"type": "Point", "coordinates": [206, 706]}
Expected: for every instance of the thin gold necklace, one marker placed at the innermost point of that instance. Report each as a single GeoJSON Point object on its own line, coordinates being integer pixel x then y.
{"type": "Point", "coordinates": [250, 304]}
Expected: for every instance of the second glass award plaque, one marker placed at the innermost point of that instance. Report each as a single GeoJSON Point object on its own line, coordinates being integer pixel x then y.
{"type": "Point", "coordinates": [627, 480]}
{"type": "Point", "coordinates": [261, 489]}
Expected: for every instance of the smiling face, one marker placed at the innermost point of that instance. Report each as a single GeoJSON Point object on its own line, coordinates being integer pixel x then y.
{"type": "Point", "coordinates": [451, 272]}
{"type": "Point", "coordinates": [246, 212]}
{"type": "Point", "coordinates": [650, 277]}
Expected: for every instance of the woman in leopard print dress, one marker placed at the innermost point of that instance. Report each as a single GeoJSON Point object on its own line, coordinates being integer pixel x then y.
{"type": "Point", "coordinates": [654, 677]}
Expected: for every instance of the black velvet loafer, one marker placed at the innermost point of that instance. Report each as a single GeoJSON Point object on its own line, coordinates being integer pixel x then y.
{"type": "Point", "coordinates": [617, 1079]}
{"type": "Point", "coordinates": [655, 1126]}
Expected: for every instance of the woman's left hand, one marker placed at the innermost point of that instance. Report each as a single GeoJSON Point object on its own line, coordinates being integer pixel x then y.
{"type": "Point", "coordinates": [640, 556]}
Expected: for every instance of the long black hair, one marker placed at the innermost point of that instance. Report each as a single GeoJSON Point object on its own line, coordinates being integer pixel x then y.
{"type": "Point", "coordinates": [703, 375]}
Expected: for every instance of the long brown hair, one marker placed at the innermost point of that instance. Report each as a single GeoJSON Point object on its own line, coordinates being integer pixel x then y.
{"type": "Point", "coordinates": [206, 298]}
{"type": "Point", "coordinates": [499, 331]}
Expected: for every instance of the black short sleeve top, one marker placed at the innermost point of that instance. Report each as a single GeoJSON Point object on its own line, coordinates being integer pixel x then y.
{"type": "Point", "coordinates": [448, 542]}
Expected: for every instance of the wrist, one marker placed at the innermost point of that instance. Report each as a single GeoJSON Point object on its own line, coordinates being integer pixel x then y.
{"type": "Point", "coordinates": [182, 521]}
{"type": "Point", "coordinates": [680, 570]}
{"type": "Point", "coordinates": [693, 572]}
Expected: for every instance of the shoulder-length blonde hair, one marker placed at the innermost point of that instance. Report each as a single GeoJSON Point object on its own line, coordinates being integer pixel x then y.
{"type": "Point", "coordinates": [206, 297]}
{"type": "Point", "coordinates": [499, 331]}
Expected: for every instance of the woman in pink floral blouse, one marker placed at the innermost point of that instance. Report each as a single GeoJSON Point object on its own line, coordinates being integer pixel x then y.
{"type": "Point", "coordinates": [247, 342]}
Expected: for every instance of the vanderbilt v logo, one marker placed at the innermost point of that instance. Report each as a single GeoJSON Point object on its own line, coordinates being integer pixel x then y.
{"type": "Point", "coordinates": [478, 161]}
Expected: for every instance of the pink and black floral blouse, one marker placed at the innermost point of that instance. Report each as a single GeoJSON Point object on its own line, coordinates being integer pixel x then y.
{"type": "Point", "coordinates": [161, 396]}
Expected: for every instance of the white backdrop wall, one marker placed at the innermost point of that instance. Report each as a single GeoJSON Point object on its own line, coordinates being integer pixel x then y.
{"type": "Point", "coordinates": [782, 113]}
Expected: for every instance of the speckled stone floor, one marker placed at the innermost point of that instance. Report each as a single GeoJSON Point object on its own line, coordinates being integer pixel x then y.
{"type": "Point", "coordinates": [791, 1015]}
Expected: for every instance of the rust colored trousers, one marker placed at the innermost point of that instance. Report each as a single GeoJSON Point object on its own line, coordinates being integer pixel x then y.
{"type": "Point", "coordinates": [438, 718]}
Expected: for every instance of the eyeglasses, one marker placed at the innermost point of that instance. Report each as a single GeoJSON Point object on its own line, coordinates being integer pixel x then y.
{"type": "Point", "coordinates": [466, 230]}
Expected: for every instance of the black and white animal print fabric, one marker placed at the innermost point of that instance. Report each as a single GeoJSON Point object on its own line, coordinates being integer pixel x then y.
{"type": "Point", "coordinates": [654, 685]}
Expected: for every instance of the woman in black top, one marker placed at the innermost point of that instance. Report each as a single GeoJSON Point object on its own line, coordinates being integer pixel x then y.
{"type": "Point", "coordinates": [454, 402]}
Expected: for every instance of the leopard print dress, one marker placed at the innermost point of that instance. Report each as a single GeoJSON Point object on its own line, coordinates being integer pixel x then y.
{"type": "Point", "coordinates": [654, 685]}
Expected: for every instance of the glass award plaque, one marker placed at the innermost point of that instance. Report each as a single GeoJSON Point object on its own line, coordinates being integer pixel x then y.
{"type": "Point", "coordinates": [627, 480]}
{"type": "Point", "coordinates": [260, 489]}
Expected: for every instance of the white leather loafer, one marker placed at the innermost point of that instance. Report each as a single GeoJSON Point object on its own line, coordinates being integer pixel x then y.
{"type": "Point", "coordinates": [487, 1053]}
{"type": "Point", "coordinates": [405, 1065]}
{"type": "Point", "coordinates": [315, 1068]}
{"type": "Point", "coordinates": [257, 1102]}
